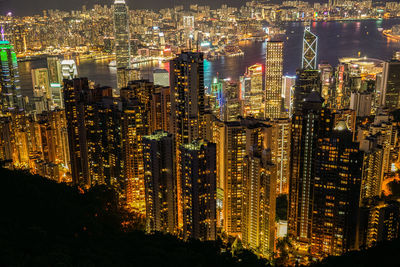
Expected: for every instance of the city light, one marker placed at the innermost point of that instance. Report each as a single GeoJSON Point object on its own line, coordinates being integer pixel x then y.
{"type": "Point", "coordinates": [252, 126]}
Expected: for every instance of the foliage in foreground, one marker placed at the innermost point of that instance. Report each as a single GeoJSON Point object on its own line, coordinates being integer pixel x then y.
{"type": "Point", "coordinates": [44, 223]}
{"type": "Point", "coordinates": [384, 254]}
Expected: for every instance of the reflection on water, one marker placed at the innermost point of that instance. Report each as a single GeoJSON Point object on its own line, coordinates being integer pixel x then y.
{"type": "Point", "coordinates": [336, 40]}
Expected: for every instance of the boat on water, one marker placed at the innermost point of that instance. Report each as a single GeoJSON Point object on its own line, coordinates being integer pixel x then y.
{"type": "Point", "coordinates": [232, 51]}
{"type": "Point", "coordinates": [393, 33]}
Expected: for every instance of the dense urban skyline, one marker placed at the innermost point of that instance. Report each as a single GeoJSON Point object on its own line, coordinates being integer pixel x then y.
{"type": "Point", "coordinates": [290, 169]}
{"type": "Point", "coordinates": [27, 7]}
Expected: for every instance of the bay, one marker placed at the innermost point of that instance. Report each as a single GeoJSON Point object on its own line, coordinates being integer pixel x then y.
{"type": "Point", "coordinates": [336, 39]}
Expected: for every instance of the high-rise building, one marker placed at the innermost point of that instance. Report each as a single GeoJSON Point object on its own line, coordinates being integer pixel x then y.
{"type": "Point", "coordinates": [198, 180]}
{"type": "Point", "coordinates": [122, 37]}
{"type": "Point", "coordinates": [287, 92]}
{"type": "Point", "coordinates": [234, 140]}
{"type": "Point", "coordinates": [259, 194]}
{"type": "Point", "coordinates": [391, 85]}
{"type": "Point", "coordinates": [307, 81]}
{"type": "Point", "coordinates": [57, 95]}
{"type": "Point", "coordinates": [280, 148]}
{"type": "Point", "coordinates": [74, 114]}
{"type": "Point", "coordinates": [231, 107]}
{"type": "Point", "coordinates": [126, 75]}
{"type": "Point", "coordinates": [23, 141]}
{"type": "Point", "coordinates": [18, 38]}
{"type": "Point", "coordinates": [160, 109]}
{"type": "Point", "coordinates": [336, 193]}
{"type": "Point", "coordinates": [92, 119]}
{"type": "Point", "coordinates": [188, 27]}
{"type": "Point", "coordinates": [10, 93]}
{"type": "Point", "coordinates": [187, 97]}
{"type": "Point", "coordinates": [273, 80]}
{"type": "Point", "coordinates": [379, 221]}
{"type": "Point", "coordinates": [361, 102]}
{"type": "Point", "coordinates": [55, 81]}
{"type": "Point", "coordinates": [161, 77]}
{"type": "Point", "coordinates": [187, 104]}
{"type": "Point", "coordinates": [40, 81]}
{"type": "Point", "coordinates": [308, 124]}
{"type": "Point", "coordinates": [230, 162]}
{"type": "Point", "coordinates": [327, 90]}
{"type": "Point", "coordinates": [385, 132]}
{"type": "Point", "coordinates": [6, 136]}
{"type": "Point", "coordinates": [215, 98]}
{"type": "Point", "coordinates": [372, 175]}
{"type": "Point", "coordinates": [68, 69]}
{"type": "Point", "coordinates": [54, 68]}
{"type": "Point", "coordinates": [136, 100]}
{"type": "Point", "coordinates": [224, 99]}
{"type": "Point", "coordinates": [252, 91]}
{"type": "Point", "coordinates": [310, 52]}
{"type": "Point", "coordinates": [39, 100]}
{"type": "Point", "coordinates": [51, 140]}
{"type": "Point", "coordinates": [160, 182]}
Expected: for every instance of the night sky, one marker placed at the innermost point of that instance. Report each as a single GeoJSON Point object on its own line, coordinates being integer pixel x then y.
{"type": "Point", "coordinates": [30, 7]}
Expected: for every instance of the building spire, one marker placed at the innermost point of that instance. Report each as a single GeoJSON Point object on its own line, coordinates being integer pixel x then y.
{"type": "Point", "coordinates": [310, 46]}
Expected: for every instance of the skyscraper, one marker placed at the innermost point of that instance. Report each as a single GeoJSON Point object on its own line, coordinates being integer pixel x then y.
{"type": "Point", "coordinates": [187, 104]}
{"type": "Point", "coordinates": [308, 124]}
{"type": "Point", "coordinates": [391, 85]}
{"type": "Point", "coordinates": [54, 68]}
{"type": "Point", "coordinates": [74, 113]}
{"type": "Point", "coordinates": [287, 88]}
{"type": "Point", "coordinates": [198, 180]}
{"type": "Point", "coordinates": [280, 148]}
{"type": "Point", "coordinates": [55, 81]}
{"type": "Point", "coordinates": [310, 52]}
{"type": "Point", "coordinates": [306, 82]}
{"type": "Point", "coordinates": [187, 97]}
{"type": "Point", "coordinates": [50, 132]}
{"type": "Point", "coordinates": [273, 80]}
{"type": "Point", "coordinates": [160, 109]}
{"type": "Point", "coordinates": [336, 193]}
{"type": "Point", "coordinates": [40, 81]}
{"type": "Point", "coordinates": [328, 89]}
{"type": "Point", "coordinates": [231, 108]}
{"type": "Point", "coordinates": [122, 36]}
{"type": "Point", "coordinates": [235, 140]}
{"type": "Point", "coordinates": [230, 162]}
{"type": "Point", "coordinates": [10, 94]}
{"type": "Point", "coordinates": [93, 135]}
{"type": "Point", "coordinates": [160, 182]}
{"type": "Point", "coordinates": [126, 75]}
{"type": "Point", "coordinates": [372, 176]}
{"type": "Point", "coordinates": [136, 99]}
{"type": "Point", "coordinates": [259, 194]}
{"type": "Point", "coordinates": [252, 91]}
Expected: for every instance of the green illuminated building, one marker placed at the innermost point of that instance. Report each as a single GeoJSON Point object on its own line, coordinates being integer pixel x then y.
{"type": "Point", "coordinates": [10, 90]}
